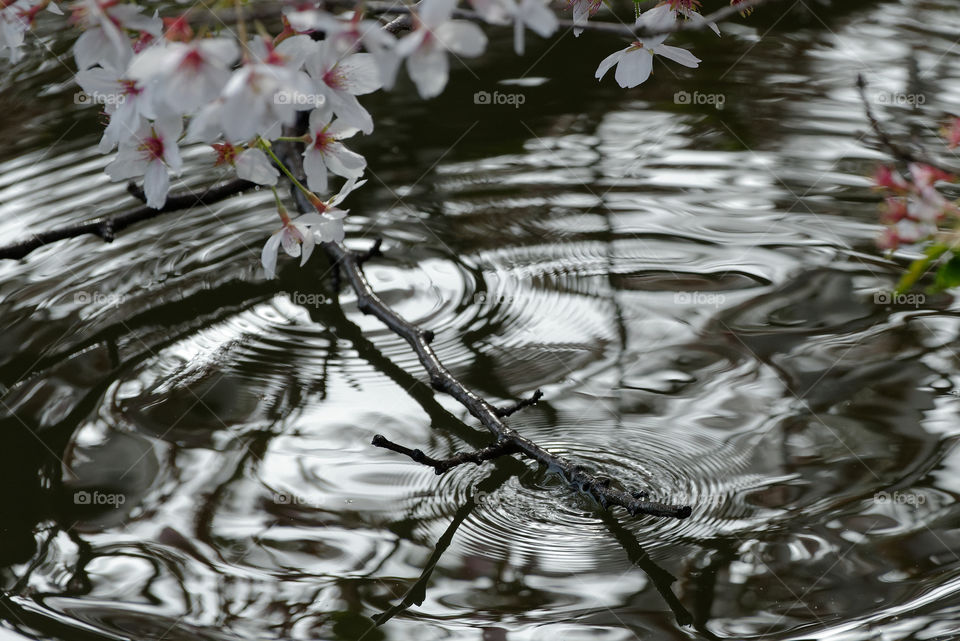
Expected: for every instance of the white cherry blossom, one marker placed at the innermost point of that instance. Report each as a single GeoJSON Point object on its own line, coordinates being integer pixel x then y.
{"type": "Point", "coordinates": [325, 152]}
{"type": "Point", "coordinates": [635, 63]}
{"type": "Point", "coordinates": [346, 36]}
{"type": "Point", "coordinates": [425, 49]}
{"type": "Point", "coordinates": [187, 74]}
{"type": "Point", "coordinates": [330, 227]}
{"type": "Point", "coordinates": [264, 94]}
{"type": "Point", "coordinates": [104, 40]}
{"type": "Point", "coordinates": [535, 15]}
{"type": "Point", "coordinates": [251, 164]}
{"type": "Point", "coordinates": [126, 101]}
{"type": "Point", "coordinates": [340, 79]}
{"type": "Point", "coordinates": [296, 238]}
{"type": "Point", "coordinates": [150, 152]}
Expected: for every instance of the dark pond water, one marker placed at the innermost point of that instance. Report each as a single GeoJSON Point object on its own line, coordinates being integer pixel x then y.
{"type": "Point", "coordinates": [694, 289]}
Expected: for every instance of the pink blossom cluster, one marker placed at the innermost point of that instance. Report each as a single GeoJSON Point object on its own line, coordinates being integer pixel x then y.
{"type": "Point", "coordinates": [914, 209]}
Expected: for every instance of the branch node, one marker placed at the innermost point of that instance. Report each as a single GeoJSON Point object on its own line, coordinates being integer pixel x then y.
{"type": "Point", "coordinates": [427, 335]}
{"type": "Point", "coordinates": [136, 191]}
{"type": "Point", "coordinates": [373, 252]}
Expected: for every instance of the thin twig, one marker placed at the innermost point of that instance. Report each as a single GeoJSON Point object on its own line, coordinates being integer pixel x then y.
{"type": "Point", "coordinates": [503, 412]}
{"type": "Point", "coordinates": [501, 448]}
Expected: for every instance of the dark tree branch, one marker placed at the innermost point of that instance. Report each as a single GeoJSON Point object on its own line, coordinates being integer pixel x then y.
{"type": "Point", "coordinates": [501, 448]}
{"type": "Point", "coordinates": [442, 380]}
{"type": "Point", "coordinates": [899, 152]}
{"type": "Point", "coordinates": [107, 227]}
{"type": "Point", "coordinates": [503, 412]}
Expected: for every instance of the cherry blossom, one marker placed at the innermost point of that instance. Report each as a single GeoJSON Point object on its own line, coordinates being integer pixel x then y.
{"type": "Point", "coordinates": [340, 79]}
{"type": "Point", "coordinates": [325, 151]}
{"type": "Point", "coordinates": [425, 49]}
{"type": "Point", "coordinates": [330, 227]}
{"type": "Point", "coordinates": [347, 36]}
{"type": "Point", "coordinates": [493, 11]}
{"type": "Point", "coordinates": [263, 95]}
{"type": "Point", "coordinates": [16, 18]}
{"type": "Point", "coordinates": [952, 133]}
{"type": "Point", "coordinates": [689, 9]}
{"type": "Point", "coordinates": [251, 164]}
{"type": "Point", "coordinates": [535, 15]}
{"type": "Point", "coordinates": [296, 238]}
{"type": "Point", "coordinates": [149, 153]}
{"type": "Point", "coordinates": [187, 75]}
{"type": "Point", "coordinates": [582, 11]}
{"type": "Point", "coordinates": [125, 100]}
{"type": "Point", "coordinates": [635, 63]}
{"type": "Point", "coordinates": [104, 41]}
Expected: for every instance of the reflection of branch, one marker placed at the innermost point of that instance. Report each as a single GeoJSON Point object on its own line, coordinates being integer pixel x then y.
{"type": "Point", "coordinates": [417, 593]}
{"type": "Point", "coordinates": [442, 380]}
{"type": "Point", "coordinates": [662, 580]}
{"type": "Point", "coordinates": [898, 151]}
{"type": "Point", "coordinates": [107, 227]}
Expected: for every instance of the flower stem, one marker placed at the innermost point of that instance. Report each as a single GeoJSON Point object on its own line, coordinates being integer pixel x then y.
{"type": "Point", "coordinates": [266, 147]}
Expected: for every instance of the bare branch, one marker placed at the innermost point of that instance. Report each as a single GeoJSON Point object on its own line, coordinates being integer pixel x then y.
{"type": "Point", "coordinates": [501, 448]}
{"type": "Point", "coordinates": [503, 412]}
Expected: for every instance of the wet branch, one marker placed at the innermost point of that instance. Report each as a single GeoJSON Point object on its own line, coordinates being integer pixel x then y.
{"type": "Point", "coordinates": [107, 227]}
{"type": "Point", "coordinates": [503, 412]}
{"type": "Point", "coordinates": [440, 466]}
{"type": "Point", "coordinates": [598, 487]}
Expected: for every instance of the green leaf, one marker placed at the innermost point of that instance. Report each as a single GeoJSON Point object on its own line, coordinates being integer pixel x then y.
{"type": "Point", "coordinates": [948, 275]}
{"type": "Point", "coordinates": [920, 266]}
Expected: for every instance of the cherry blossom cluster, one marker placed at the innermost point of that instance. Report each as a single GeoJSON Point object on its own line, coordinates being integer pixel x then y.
{"type": "Point", "coordinates": [168, 82]}
{"type": "Point", "coordinates": [914, 209]}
